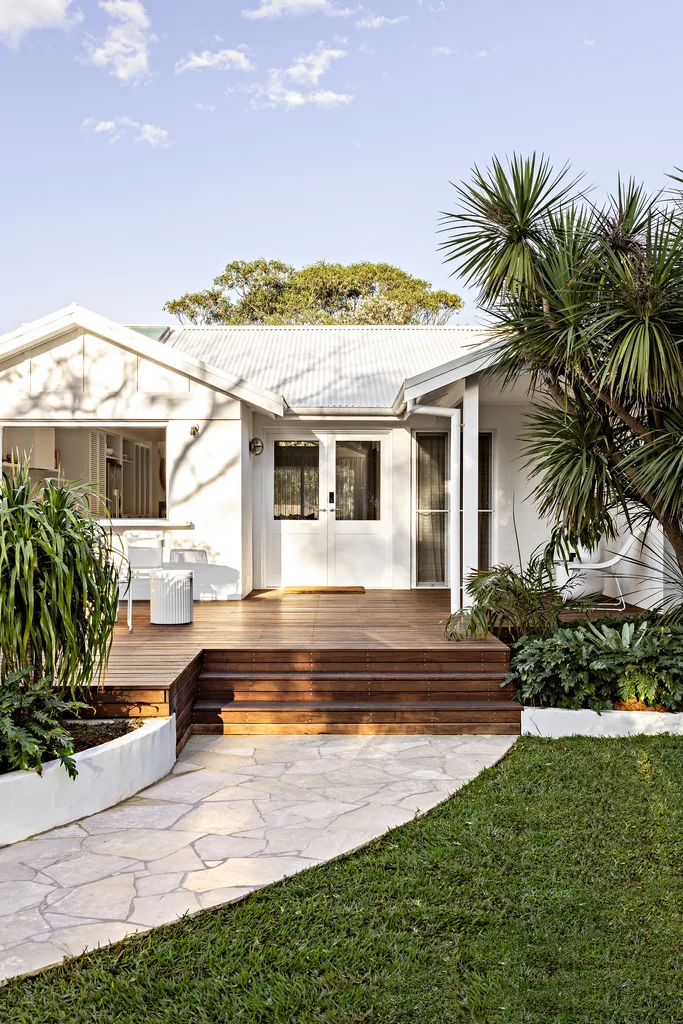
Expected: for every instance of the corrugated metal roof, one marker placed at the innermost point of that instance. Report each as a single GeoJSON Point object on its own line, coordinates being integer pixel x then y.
{"type": "Point", "coordinates": [327, 367]}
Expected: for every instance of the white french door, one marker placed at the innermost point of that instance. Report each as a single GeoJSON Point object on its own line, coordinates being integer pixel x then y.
{"type": "Point", "coordinates": [328, 509]}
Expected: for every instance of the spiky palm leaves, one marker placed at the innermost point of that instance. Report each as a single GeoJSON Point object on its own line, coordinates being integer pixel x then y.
{"type": "Point", "coordinates": [589, 303]}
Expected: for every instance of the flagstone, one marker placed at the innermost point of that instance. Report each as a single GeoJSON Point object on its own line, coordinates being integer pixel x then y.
{"type": "Point", "coordinates": [221, 818]}
{"type": "Point", "coordinates": [216, 847]}
{"type": "Point", "coordinates": [90, 936]}
{"type": "Point", "coordinates": [187, 788]}
{"type": "Point", "coordinates": [239, 871]}
{"type": "Point", "coordinates": [334, 844]}
{"type": "Point", "coordinates": [219, 897]}
{"type": "Point", "coordinates": [164, 907]}
{"type": "Point", "coordinates": [28, 957]}
{"type": "Point", "coordinates": [108, 899]}
{"type": "Point", "coordinates": [86, 867]}
{"type": "Point", "coordinates": [183, 860]}
{"type": "Point", "coordinates": [16, 896]}
{"type": "Point", "coordinates": [152, 885]}
{"type": "Point", "coordinates": [146, 845]}
{"type": "Point", "coordinates": [141, 815]}
{"type": "Point", "coordinates": [19, 926]}
{"type": "Point", "coordinates": [376, 818]}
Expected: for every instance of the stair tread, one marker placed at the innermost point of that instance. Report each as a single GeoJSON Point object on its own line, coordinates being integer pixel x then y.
{"type": "Point", "coordinates": [368, 674]}
{"type": "Point", "coordinates": [361, 705]}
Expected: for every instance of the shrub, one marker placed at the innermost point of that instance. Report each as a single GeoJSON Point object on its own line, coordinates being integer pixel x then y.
{"type": "Point", "coordinates": [591, 666]}
{"type": "Point", "coordinates": [557, 671]}
{"type": "Point", "coordinates": [646, 661]}
{"type": "Point", "coordinates": [30, 724]}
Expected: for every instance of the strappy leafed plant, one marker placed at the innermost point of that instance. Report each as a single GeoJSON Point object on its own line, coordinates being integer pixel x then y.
{"type": "Point", "coordinates": [58, 583]}
{"type": "Point", "coordinates": [587, 304]}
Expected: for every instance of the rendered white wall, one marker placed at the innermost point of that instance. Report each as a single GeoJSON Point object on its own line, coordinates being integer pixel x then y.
{"type": "Point", "coordinates": [511, 486]}
{"type": "Point", "coordinates": [90, 381]}
{"type": "Point", "coordinates": [107, 774]}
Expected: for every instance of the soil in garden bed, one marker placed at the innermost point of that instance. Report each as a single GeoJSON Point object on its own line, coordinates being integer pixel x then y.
{"type": "Point", "coordinates": [636, 705]}
{"type": "Point", "coordinates": [93, 734]}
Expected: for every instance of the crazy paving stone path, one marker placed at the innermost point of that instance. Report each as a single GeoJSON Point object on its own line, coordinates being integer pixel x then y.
{"type": "Point", "coordinates": [236, 814]}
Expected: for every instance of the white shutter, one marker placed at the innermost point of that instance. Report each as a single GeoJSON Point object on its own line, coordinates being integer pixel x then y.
{"type": "Point", "coordinates": [142, 480]}
{"type": "Point", "coordinates": [98, 471]}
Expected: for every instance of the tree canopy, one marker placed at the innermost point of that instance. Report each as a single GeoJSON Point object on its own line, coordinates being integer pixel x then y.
{"type": "Point", "coordinates": [270, 292]}
{"type": "Point", "coordinates": [588, 301]}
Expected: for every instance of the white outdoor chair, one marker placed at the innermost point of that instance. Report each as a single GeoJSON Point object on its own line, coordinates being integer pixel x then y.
{"type": "Point", "coordinates": [574, 570]}
{"type": "Point", "coordinates": [145, 549]}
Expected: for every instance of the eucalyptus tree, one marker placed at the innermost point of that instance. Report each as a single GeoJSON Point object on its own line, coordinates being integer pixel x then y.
{"type": "Point", "coordinates": [271, 292]}
{"type": "Point", "coordinates": [586, 301]}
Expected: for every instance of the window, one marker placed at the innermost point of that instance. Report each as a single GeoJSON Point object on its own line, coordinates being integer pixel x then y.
{"type": "Point", "coordinates": [485, 500]}
{"type": "Point", "coordinates": [296, 480]}
{"type": "Point", "coordinates": [124, 468]}
{"type": "Point", "coordinates": [432, 508]}
{"type": "Point", "coordinates": [358, 480]}
{"type": "Point", "coordinates": [432, 504]}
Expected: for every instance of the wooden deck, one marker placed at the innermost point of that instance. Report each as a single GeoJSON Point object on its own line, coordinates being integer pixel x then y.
{"type": "Point", "coordinates": [293, 655]}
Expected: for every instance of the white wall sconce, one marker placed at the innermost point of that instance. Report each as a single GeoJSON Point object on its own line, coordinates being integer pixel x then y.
{"type": "Point", "coordinates": [256, 446]}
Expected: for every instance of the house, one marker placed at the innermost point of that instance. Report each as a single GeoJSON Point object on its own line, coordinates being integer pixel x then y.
{"type": "Point", "coordinates": [281, 456]}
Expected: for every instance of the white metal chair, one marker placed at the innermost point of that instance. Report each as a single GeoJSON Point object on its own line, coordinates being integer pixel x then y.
{"type": "Point", "coordinates": [145, 550]}
{"type": "Point", "coordinates": [575, 570]}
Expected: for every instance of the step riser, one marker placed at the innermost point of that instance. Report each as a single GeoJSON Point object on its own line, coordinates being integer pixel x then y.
{"type": "Point", "coordinates": [361, 729]}
{"type": "Point", "coordinates": [227, 696]}
{"type": "Point", "coordinates": [356, 660]}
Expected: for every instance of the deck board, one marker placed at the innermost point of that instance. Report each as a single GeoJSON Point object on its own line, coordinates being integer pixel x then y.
{"type": "Point", "coordinates": [379, 620]}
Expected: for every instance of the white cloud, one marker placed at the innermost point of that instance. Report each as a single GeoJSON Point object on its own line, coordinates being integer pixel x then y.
{"type": "Point", "coordinates": [17, 17]}
{"type": "Point", "coordinates": [587, 41]}
{"type": "Point", "coordinates": [295, 86]}
{"type": "Point", "coordinates": [119, 127]}
{"type": "Point", "coordinates": [206, 108]}
{"type": "Point", "coordinates": [379, 20]}
{"type": "Point", "coordinates": [220, 60]}
{"type": "Point", "coordinates": [125, 48]}
{"type": "Point", "coordinates": [308, 70]}
{"type": "Point", "coordinates": [276, 8]}
{"type": "Point", "coordinates": [442, 51]}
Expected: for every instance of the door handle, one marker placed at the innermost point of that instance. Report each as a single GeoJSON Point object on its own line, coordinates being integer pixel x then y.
{"type": "Point", "coordinates": [324, 510]}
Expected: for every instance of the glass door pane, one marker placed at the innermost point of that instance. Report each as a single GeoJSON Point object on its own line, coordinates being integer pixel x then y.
{"type": "Point", "coordinates": [296, 469]}
{"type": "Point", "coordinates": [357, 473]}
{"type": "Point", "coordinates": [432, 512]}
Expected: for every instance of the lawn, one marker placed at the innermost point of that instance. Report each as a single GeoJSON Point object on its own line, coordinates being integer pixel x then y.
{"type": "Point", "coordinates": [548, 890]}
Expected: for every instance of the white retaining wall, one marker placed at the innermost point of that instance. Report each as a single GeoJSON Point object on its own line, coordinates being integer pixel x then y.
{"type": "Point", "coordinates": [32, 803]}
{"type": "Point", "coordinates": [555, 723]}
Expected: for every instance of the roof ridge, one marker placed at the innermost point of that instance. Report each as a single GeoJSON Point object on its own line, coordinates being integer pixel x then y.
{"type": "Point", "coordinates": [329, 327]}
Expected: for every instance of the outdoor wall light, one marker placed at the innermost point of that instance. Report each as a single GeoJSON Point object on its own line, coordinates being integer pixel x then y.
{"type": "Point", "coordinates": [194, 430]}
{"type": "Point", "coordinates": [256, 446]}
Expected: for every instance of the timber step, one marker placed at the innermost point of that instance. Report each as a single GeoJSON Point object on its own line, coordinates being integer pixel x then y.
{"type": "Point", "coordinates": [458, 689]}
{"type": "Point", "coordinates": [479, 716]}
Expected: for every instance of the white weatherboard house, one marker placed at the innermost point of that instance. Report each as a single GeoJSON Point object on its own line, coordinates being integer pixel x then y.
{"type": "Point", "coordinates": [371, 437]}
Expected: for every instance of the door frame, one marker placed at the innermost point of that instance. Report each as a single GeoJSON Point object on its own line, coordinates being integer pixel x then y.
{"type": "Point", "coordinates": [311, 431]}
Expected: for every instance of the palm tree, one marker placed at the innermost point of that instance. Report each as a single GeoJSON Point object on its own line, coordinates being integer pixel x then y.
{"type": "Point", "coordinates": [587, 303]}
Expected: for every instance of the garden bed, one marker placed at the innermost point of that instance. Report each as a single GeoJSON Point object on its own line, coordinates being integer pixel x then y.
{"type": "Point", "coordinates": [556, 723]}
{"type": "Point", "coordinates": [107, 773]}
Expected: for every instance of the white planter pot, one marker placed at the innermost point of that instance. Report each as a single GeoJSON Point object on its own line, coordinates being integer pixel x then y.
{"type": "Point", "coordinates": [32, 803]}
{"type": "Point", "coordinates": [555, 723]}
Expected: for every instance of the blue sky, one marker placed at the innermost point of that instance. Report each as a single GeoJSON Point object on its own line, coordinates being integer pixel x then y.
{"type": "Point", "coordinates": [145, 143]}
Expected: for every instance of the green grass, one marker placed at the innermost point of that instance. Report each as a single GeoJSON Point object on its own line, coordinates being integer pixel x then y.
{"type": "Point", "coordinates": [549, 890]}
